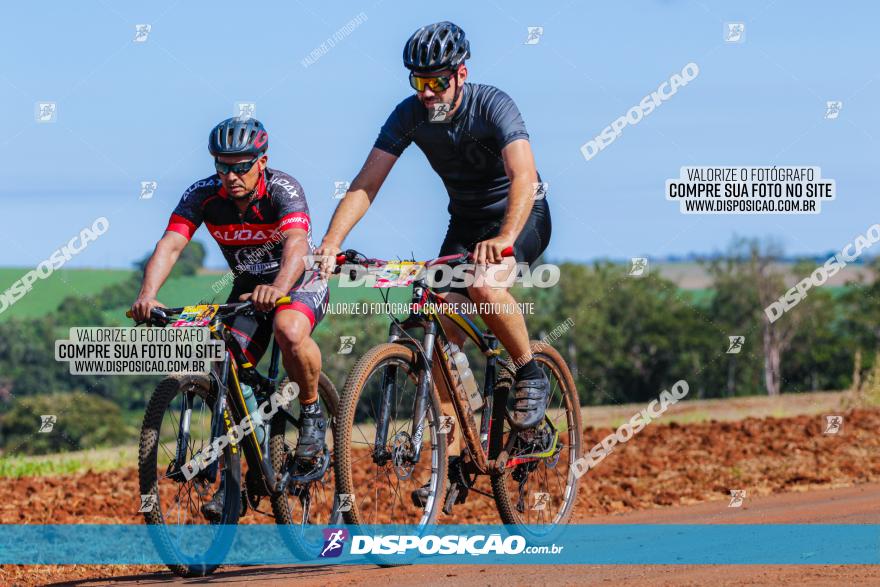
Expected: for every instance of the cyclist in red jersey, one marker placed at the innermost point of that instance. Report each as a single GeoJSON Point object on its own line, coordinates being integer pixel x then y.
{"type": "Point", "coordinates": [260, 219]}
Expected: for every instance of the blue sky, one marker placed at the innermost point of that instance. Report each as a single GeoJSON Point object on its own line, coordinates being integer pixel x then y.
{"type": "Point", "coordinates": [129, 112]}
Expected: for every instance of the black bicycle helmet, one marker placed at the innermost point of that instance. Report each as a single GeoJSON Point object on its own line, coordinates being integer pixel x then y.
{"type": "Point", "coordinates": [238, 136]}
{"type": "Point", "coordinates": [435, 47]}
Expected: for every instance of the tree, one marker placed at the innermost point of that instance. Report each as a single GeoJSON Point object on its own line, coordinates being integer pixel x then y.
{"type": "Point", "coordinates": [81, 420]}
{"type": "Point", "coordinates": [630, 338]}
{"type": "Point", "coordinates": [190, 261]}
{"type": "Point", "coordinates": [750, 279]}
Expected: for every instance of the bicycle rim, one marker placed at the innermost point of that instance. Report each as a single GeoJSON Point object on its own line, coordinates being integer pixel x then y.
{"type": "Point", "coordinates": [172, 506]}
{"type": "Point", "coordinates": [536, 492]}
{"type": "Point", "coordinates": [381, 492]}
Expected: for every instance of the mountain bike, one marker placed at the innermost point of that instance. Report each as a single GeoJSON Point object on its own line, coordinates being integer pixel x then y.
{"type": "Point", "coordinates": [391, 437]}
{"type": "Point", "coordinates": [187, 413]}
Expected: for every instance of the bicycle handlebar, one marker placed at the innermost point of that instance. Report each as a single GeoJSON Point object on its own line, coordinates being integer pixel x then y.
{"type": "Point", "coordinates": [352, 256]}
{"type": "Point", "coordinates": [162, 315]}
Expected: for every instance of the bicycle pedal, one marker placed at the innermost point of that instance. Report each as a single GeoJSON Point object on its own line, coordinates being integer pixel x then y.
{"type": "Point", "coordinates": [456, 495]}
{"type": "Point", "coordinates": [451, 499]}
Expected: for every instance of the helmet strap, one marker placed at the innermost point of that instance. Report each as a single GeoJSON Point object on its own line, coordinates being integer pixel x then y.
{"type": "Point", "coordinates": [458, 89]}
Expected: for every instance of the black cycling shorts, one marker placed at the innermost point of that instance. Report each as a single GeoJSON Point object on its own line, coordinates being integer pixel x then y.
{"type": "Point", "coordinates": [463, 235]}
{"type": "Point", "coordinates": [254, 333]}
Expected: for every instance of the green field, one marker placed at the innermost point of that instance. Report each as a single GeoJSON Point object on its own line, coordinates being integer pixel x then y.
{"type": "Point", "coordinates": [48, 293]}
{"type": "Point", "coordinates": [102, 459]}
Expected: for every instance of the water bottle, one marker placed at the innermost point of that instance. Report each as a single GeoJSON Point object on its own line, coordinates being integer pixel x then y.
{"type": "Point", "coordinates": [251, 402]}
{"type": "Point", "coordinates": [465, 376]}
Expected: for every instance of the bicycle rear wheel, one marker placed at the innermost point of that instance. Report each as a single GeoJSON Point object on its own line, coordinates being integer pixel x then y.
{"type": "Point", "coordinates": [536, 493]}
{"type": "Point", "coordinates": [375, 483]}
{"type": "Point", "coordinates": [170, 502]}
{"type": "Point", "coordinates": [306, 503]}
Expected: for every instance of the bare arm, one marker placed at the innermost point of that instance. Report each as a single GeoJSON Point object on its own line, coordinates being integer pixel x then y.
{"type": "Point", "coordinates": [293, 258]}
{"type": "Point", "coordinates": [354, 205]}
{"type": "Point", "coordinates": [519, 164]}
{"type": "Point", "coordinates": [158, 268]}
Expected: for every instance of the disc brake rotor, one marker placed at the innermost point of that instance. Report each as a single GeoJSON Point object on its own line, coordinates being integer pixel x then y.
{"type": "Point", "coordinates": [401, 450]}
{"type": "Point", "coordinates": [202, 487]}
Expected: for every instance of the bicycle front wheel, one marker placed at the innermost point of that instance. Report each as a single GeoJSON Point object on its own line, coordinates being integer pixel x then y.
{"type": "Point", "coordinates": [188, 541]}
{"type": "Point", "coordinates": [376, 483]}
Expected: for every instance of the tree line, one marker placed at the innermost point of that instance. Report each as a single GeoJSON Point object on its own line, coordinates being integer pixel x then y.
{"type": "Point", "coordinates": [629, 338]}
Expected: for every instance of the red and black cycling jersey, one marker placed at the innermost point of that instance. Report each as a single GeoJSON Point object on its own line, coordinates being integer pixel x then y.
{"type": "Point", "coordinates": [251, 242]}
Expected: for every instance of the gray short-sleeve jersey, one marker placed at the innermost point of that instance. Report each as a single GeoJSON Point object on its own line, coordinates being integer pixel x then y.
{"type": "Point", "coordinates": [465, 151]}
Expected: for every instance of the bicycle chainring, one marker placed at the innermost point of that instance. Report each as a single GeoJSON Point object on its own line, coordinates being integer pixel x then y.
{"type": "Point", "coordinates": [457, 473]}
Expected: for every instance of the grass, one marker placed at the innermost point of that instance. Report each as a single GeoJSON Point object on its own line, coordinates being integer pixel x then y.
{"type": "Point", "coordinates": [48, 293]}
{"type": "Point", "coordinates": [103, 459]}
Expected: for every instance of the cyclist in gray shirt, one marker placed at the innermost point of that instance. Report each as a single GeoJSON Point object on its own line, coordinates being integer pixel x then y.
{"type": "Point", "coordinates": [474, 138]}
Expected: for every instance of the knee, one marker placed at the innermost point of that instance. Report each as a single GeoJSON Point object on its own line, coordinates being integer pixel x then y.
{"type": "Point", "coordinates": [484, 293]}
{"type": "Point", "coordinates": [291, 337]}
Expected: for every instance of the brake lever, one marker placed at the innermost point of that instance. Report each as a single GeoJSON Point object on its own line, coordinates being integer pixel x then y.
{"type": "Point", "coordinates": [157, 318]}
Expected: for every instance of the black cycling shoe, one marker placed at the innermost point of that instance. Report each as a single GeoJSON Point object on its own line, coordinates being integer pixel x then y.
{"type": "Point", "coordinates": [531, 397]}
{"type": "Point", "coordinates": [312, 433]}
{"type": "Point", "coordinates": [213, 510]}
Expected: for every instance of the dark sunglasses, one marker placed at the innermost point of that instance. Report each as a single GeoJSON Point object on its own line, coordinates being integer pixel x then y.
{"type": "Point", "coordinates": [236, 168]}
{"type": "Point", "coordinates": [437, 83]}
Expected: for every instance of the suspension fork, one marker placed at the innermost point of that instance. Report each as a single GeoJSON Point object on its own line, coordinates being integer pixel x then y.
{"type": "Point", "coordinates": [273, 364]}
{"type": "Point", "coordinates": [183, 428]}
{"type": "Point", "coordinates": [249, 445]}
{"type": "Point", "coordinates": [387, 400]}
{"type": "Point", "coordinates": [420, 409]}
{"type": "Point", "coordinates": [496, 408]}
{"type": "Point", "coordinates": [221, 377]}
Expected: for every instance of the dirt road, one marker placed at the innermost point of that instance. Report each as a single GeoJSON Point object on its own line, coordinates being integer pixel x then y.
{"type": "Point", "coordinates": [851, 505]}
{"type": "Point", "coordinates": [676, 473]}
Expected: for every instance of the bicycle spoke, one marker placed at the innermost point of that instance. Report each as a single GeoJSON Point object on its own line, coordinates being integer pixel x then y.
{"type": "Point", "coordinates": [385, 497]}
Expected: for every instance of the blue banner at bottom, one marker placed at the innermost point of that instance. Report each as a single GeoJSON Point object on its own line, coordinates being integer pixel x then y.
{"type": "Point", "coordinates": [628, 544]}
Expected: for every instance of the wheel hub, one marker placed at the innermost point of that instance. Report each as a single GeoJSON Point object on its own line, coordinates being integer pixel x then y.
{"type": "Point", "coordinates": [401, 451]}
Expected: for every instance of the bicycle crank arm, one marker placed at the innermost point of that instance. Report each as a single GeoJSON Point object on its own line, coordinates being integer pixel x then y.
{"type": "Point", "coordinates": [499, 464]}
{"type": "Point", "coordinates": [456, 495]}
{"type": "Point", "coordinates": [316, 473]}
